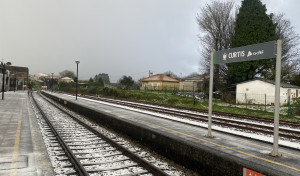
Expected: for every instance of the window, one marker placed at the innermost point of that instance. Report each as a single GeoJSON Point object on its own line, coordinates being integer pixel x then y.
{"type": "Point", "coordinates": [297, 93]}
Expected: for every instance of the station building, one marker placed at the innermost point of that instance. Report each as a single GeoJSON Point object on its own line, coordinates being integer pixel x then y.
{"type": "Point", "coordinates": [15, 78]}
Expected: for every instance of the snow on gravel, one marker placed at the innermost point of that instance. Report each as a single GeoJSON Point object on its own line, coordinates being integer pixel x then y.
{"type": "Point", "coordinates": [54, 149]}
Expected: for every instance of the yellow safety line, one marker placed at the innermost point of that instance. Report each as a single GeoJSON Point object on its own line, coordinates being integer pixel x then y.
{"type": "Point", "coordinates": [243, 141]}
{"type": "Point", "coordinates": [229, 148]}
{"type": "Point", "coordinates": [17, 142]}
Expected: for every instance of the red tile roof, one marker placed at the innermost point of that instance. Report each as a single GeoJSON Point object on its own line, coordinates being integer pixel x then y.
{"type": "Point", "coordinates": [159, 77]}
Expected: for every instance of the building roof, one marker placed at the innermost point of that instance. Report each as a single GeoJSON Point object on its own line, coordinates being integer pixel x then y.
{"type": "Point", "coordinates": [195, 77]}
{"type": "Point", "coordinates": [66, 78]}
{"type": "Point", "coordinates": [17, 68]}
{"type": "Point", "coordinates": [283, 85]}
{"type": "Point", "coordinates": [40, 75]}
{"type": "Point", "coordinates": [159, 77]}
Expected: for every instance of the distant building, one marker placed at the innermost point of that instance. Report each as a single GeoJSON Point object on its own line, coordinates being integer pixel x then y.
{"type": "Point", "coordinates": [16, 78]}
{"type": "Point", "coordinates": [66, 79]}
{"type": "Point", "coordinates": [104, 77]}
{"type": "Point", "coordinates": [196, 81]}
{"type": "Point", "coordinates": [257, 91]}
{"type": "Point", "coordinates": [39, 76]}
{"type": "Point", "coordinates": [159, 82]}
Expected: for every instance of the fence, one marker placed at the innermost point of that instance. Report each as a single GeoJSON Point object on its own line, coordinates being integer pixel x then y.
{"type": "Point", "coordinates": [259, 99]}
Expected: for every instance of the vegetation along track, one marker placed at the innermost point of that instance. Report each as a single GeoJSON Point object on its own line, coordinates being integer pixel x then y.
{"type": "Point", "coordinates": [91, 152]}
{"type": "Point", "coordinates": [291, 130]}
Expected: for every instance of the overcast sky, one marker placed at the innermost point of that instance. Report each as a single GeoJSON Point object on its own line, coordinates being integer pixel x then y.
{"type": "Point", "coordinates": [118, 37]}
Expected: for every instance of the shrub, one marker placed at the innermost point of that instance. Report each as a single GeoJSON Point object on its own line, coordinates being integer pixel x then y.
{"type": "Point", "coordinates": [295, 107]}
{"type": "Point", "coordinates": [92, 90]}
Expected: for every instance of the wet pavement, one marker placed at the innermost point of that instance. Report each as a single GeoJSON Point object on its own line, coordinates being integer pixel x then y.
{"type": "Point", "coordinates": [22, 150]}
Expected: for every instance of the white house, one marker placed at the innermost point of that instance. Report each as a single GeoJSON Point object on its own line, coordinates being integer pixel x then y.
{"type": "Point", "coordinates": [261, 91]}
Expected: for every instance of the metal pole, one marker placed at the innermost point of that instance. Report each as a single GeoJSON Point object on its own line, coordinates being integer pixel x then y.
{"type": "Point", "coordinates": [3, 72]}
{"type": "Point", "coordinates": [211, 74]}
{"type": "Point", "coordinates": [265, 102]}
{"type": "Point", "coordinates": [246, 100]}
{"type": "Point", "coordinates": [28, 85]}
{"type": "Point", "coordinates": [77, 81]}
{"type": "Point", "coordinates": [15, 83]}
{"type": "Point", "coordinates": [289, 101]}
{"type": "Point", "coordinates": [52, 82]}
{"type": "Point", "coordinates": [277, 100]}
{"type": "Point", "coordinates": [194, 92]}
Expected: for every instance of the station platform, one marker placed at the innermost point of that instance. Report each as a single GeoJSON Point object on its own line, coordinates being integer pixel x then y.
{"type": "Point", "coordinates": [22, 149]}
{"type": "Point", "coordinates": [224, 154]}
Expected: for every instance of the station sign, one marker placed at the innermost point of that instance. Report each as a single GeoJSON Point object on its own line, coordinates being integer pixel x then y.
{"type": "Point", "coordinates": [246, 53]}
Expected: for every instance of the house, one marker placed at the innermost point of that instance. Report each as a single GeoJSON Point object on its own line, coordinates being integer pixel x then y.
{"type": "Point", "coordinates": [261, 91]}
{"type": "Point", "coordinates": [194, 82]}
{"type": "Point", "coordinates": [66, 79]}
{"type": "Point", "coordinates": [159, 82]}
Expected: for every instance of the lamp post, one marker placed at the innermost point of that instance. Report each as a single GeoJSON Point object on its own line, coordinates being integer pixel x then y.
{"type": "Point", "coordinates": [15, 84]}
{"type": "Point", "coordinates": [14, 81]}
{"type": "Point", "coordinates": [3, 79]}
{"type": "Point", "coordinates": [52, 82]}
{"type": "Point", "coordinates": [77, 62]}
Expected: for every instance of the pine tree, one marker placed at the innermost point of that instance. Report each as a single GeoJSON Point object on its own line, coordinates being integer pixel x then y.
{"type": "Point", "coordinates": [252, 26]}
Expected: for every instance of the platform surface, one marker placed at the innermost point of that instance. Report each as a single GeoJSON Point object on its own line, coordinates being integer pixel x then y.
{"type": "Point", "coordinates": [254, 152]}
{"type": "Point", "coordinates": [22, 150]}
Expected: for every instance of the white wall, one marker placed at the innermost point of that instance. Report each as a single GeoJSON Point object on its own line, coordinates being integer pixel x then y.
{"type": "Point", "coordinates": [256, 90]}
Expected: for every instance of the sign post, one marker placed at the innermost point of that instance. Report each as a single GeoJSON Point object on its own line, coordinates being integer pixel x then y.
{"type": "Point", "coordinates": [211, 80]}
{"type": "Point", "coordinates": [277, 100]}
{"type": "Point", "coordinates": [247, 53]}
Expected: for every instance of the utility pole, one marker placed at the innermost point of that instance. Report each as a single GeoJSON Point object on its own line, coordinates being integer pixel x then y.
{"type": "Point", "coordinates": [77, 62]}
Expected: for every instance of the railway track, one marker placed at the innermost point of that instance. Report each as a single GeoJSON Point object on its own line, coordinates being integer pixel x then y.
{"type": "Point", "coordinates": [86, 151]}
{"type": "Point", "coordinates": [289, 130]}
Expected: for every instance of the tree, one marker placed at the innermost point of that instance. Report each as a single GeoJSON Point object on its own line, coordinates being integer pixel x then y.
{"type": "Point", "coordinates": [103, 76]}
{"type": "Point", "coordinates": [252, 26]}
{"type": "Point", "coordinates": [171, 74]}
{"type": "Point", "coordinates": [290, 52]}
{"type": "Point", "coordinates": [126, 82]}
{"type": "Point", "coordinates": [193, 74]}
{"type": "Point", "coordinates": [296, 79]}
{"type": "Point", "coordinates": [67, 73]}
{"type": "Point", "coordinates": [91, 80]}
{"type": "Point", "coordinates": [216, 21]}
{"type": "Point", "coordinates": [100, 82]}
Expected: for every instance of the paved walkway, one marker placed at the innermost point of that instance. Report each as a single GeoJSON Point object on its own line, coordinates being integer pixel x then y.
{"type": "Point", "coordinates": [22, 150]}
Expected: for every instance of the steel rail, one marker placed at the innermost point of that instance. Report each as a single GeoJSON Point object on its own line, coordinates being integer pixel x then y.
{"type": "Point", "coordinates": [223, 122]}
{"type": "Point", "coordinates": [150, 167]}
{"type": "Point", "coordinates": [261, 119]}
{"type": "Point", "coordinates": [77, 165]}
{"type": "Point", "coordinates": [282, 122]}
